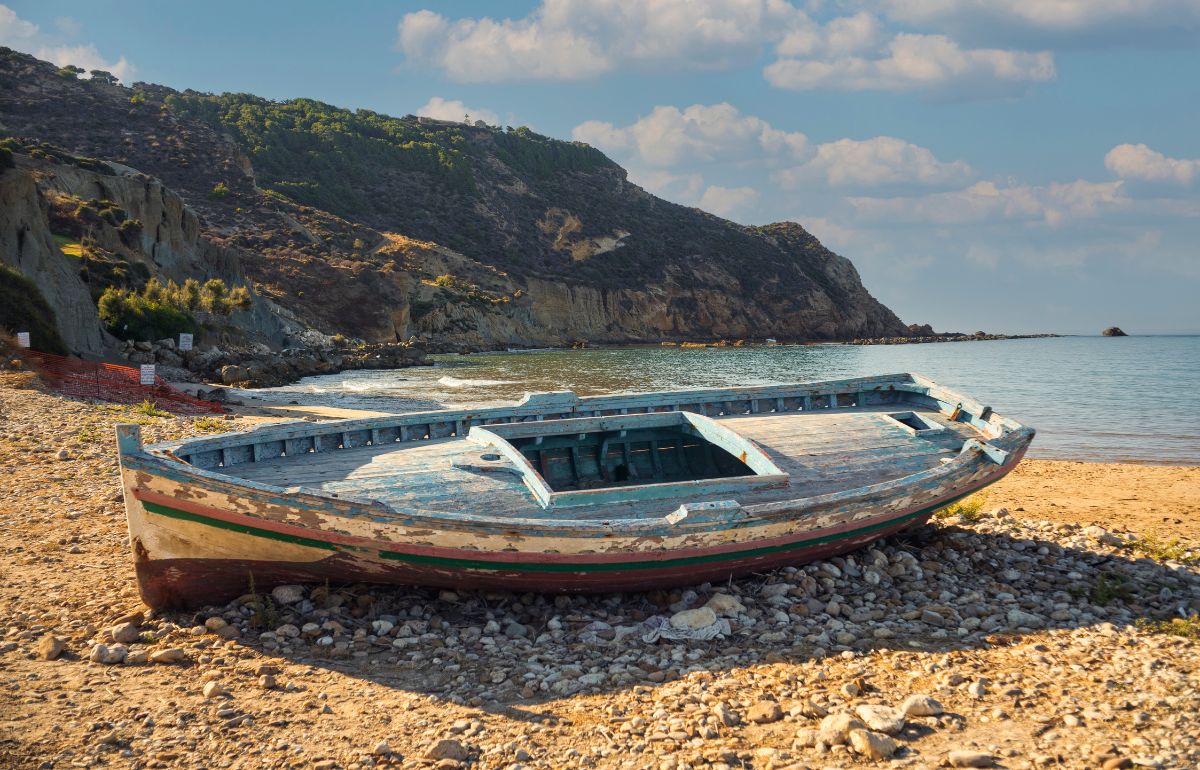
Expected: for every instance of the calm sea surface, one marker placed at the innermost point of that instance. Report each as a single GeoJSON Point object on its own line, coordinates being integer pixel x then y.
{"type": "Point", "coordinates": [1091, 398]}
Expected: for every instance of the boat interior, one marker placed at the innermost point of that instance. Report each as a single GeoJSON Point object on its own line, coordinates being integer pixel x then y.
{"type": "Point", "coordinates": [616, 458]}
{"type": "Point", "coordinates": [603, 470]}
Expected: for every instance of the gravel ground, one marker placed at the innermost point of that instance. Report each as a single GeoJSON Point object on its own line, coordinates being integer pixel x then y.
{"type": "Point", "coordinates": [989, 639]}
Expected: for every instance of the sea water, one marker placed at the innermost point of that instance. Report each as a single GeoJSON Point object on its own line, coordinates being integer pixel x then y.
{"type": "Point", "coordinates": [1091, 398]}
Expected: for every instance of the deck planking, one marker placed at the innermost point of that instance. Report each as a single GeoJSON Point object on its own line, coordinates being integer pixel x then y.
{"type": "Point", "coordinates": [822, 452]}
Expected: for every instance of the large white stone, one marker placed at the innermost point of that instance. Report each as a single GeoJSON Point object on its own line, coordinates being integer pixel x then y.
{"type": "Point", "coordinates": [835, 728]}
{"type": "Point", "coordinates": [872, 745]}
{"type": "Point", "coordinates": [690, 620]}
{"type": "Point", "coordinates": [919, 705]}
{"type": "Point", "coordinates": [884, 719]}
{"type": "Point", "coordinates": [725, 605]}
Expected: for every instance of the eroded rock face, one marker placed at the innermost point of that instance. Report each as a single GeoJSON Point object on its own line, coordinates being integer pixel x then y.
{"type": "Point", "coordinates": [1114, 331]}
{"type": "Point", "coordinates": [27, 244]}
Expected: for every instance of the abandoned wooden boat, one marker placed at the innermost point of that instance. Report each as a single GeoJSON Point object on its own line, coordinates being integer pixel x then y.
{"type": "Point", "coordinates": [559, 493]}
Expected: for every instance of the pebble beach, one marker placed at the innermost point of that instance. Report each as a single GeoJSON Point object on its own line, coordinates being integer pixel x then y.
{"type": "Point", "coordinates": [1050, 624]}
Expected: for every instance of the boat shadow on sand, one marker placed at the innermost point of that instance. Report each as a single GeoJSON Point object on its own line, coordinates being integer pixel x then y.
{"type": "Point", "coordinates": [940, 588]}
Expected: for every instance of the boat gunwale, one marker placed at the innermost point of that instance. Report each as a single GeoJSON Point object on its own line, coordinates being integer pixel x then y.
{"type": "Point", "coordinates": [534, 404]}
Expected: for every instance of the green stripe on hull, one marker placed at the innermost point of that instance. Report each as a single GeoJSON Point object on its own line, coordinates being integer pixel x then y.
{"type": "Point", "coordinates": [441, 561]}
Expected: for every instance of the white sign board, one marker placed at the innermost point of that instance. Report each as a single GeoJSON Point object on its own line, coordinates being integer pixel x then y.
{"type": "Point", "coordinates": [23, 339]}
{"type": "Point", "coordinates": [147, 372]}
{"type": "Point", "coordinates": [185, 341]}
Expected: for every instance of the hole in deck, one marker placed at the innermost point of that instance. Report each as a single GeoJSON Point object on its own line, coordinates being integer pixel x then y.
{"type": "Point", "coordinates": [914, 421]}
{"type": "Point", "coordinates": [616, 458]}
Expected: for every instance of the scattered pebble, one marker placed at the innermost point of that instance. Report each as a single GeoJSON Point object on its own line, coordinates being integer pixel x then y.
{"type": "Point", "coordinates": [963, 758]}
{"type": "Point", "coordinates": [50, 647]}
{"type": "Point", "coordinates": [168, 655]}
{"type": "Point", "coordinates": [872, 745]}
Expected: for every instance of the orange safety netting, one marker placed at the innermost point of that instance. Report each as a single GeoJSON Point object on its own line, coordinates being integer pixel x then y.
{"type": "Point", "coordinates": [116, 384]}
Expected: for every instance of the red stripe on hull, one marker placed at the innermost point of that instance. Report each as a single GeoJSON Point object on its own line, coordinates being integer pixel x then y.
{"type": "Point", "coordinates": [190, 583]}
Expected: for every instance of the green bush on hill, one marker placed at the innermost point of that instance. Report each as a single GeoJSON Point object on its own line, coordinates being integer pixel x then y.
{"type": "Point", "coordinates": [24, 309]}
{"type": "Point", "coordinates": [159, 311]}
{"type": "Point", "coordinates": [527, 152]}
{"type": "Point", "coordinates": [338, 160]}
{"type": "Point", "coordinates": [324, 156]}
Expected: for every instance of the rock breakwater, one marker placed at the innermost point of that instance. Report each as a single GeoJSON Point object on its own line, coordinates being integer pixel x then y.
{"type": "Point", "coordinates": [258, 366]}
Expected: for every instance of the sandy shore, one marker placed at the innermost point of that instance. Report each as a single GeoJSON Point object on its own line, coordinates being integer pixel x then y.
{"type": "Point", "coordinates": [1016, 639]}
{"type": "Point", "coordinates": [1149, 499]}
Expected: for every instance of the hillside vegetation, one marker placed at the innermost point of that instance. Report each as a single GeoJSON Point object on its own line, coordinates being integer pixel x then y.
{"type": "Point", "coordinates": [330, 158]}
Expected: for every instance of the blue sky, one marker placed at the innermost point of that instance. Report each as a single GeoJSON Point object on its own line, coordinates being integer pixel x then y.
{"type": "Point", "coordinates": [1018, 166]}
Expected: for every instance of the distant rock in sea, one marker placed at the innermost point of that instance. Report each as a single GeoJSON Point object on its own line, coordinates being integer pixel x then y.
{"type": "Point", "coordinates": [1114, 331]}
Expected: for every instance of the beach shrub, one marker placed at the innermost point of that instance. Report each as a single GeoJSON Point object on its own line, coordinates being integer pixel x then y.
{"type": "Point", "coordinates": [1164, 549]}
{"type": "Point", "coordinates": [150, 409]}
{"type": "Point", "coordinates": [219, 190]}
{"type": "Point", "coordinates": [167, 310]}
{"type": "Point", "coordinates": [1188, 628]}
{"type": "Point", "coordinates": [210, 425]}
{"type": "Point", "coordinates": [1109, 587]}
{"type": "Point", "coordinates": [24, 309]}
{"type": "Point", "coordinates": [132, 316]}
{"type": "Point", "coordinates": [969, 509]}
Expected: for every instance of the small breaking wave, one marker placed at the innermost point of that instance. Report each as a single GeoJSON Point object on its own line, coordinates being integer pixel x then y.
{"type": "Point", "coordinates": [455, 382]}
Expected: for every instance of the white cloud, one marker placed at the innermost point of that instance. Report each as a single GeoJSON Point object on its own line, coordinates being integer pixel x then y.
{"type": "Point", "coordinates": [1137, 161]}
{"type": "Point", "coordinates": [871, 163]}
{"type": "Point", "coordinates": [986, 201]}
{"type": "Point", "coordinates": [833, 235]}
{"type": "Point", "coordinates": [717, 132]}
{"type": "Point", "coordinates": [576, 39]}
{"type": "Point", "coordinates": [685, 188]}
{"type": "Point", "coordinates": [727, 201]}
{"type": "Point", "coordinates": [573, 39]}
{"type": "Point", "coordinates": [1061, 22]}
{"type": "Point", "coordinates": [454, 109]}
{"type": "Point", "coordinates": [841, 36]}
{"type": "Point", "coordinates": [14, 29]}
{"type": "Point", "coordinates": [912, 62]}
{"type": "Point", "coordinates": [23, 35]}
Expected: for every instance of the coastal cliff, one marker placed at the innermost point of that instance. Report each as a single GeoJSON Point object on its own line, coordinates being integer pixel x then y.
{"type": "Point", "coordinates": [384, 229]}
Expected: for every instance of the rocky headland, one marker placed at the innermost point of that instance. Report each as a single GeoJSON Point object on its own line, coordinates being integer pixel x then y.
{"type": "Point", "coordinates": [464, 236]}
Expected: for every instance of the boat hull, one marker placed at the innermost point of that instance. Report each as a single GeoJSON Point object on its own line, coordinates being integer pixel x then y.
{"type": "Point", "coordinates": [203, 535]}
{"type": "Point", "coordinates": [166, 581]}
{"type": "Point", "coordinates": [189, 583]}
